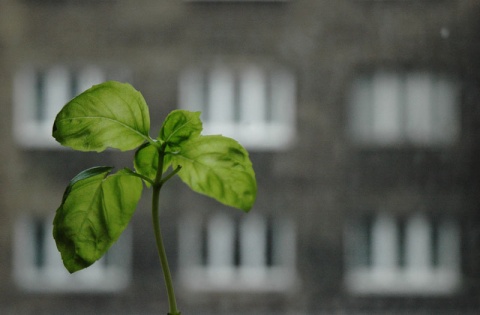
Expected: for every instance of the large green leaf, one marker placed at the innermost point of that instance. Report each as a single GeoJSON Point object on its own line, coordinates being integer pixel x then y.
{"type": "Point", "coordinates": [179, 126]}
{"type": "Point", "coordinates": [218, 167]}
{"type": "Point", "coordinates": [111, 114]}
{"type": "Point", "coordinates": [95, 210]}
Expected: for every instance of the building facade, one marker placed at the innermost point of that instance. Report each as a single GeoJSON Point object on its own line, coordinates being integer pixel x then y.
{"type": "Point", "coordinates": [361, 118]}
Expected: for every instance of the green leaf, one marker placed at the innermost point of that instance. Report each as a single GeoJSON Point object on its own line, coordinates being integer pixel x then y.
{"type": "Point", "coordinates": [179, 126]}
{"type": "Point", "coordinates": [146, 161]}
{"type": "Point", "coordinates": [218, 167]}
{"type": "Point", "coordinates": [111, 114]}
{"type": "Point", "coordinates": [95, 210]}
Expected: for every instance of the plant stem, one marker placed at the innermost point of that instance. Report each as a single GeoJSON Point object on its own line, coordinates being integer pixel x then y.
{"type": "Point", "coordinates": [158, 235]}
{"type": "Point", "coordinates": [161, 252]}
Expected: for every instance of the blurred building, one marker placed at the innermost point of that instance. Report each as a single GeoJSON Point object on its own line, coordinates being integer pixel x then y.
{"type": "Point", "coordinates": [363, 125]}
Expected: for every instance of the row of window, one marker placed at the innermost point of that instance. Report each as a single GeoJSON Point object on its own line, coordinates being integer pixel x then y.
{"type": "Point", "coordinates": [383, 255]}
{"type": "Point", "coordinates": [219, 253]}
{"type": "Point", "coordinates": [257, 105]}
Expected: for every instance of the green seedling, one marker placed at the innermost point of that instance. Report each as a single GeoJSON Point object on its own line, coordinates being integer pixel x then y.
{"type": "Point", "coordinates": [98, 204]}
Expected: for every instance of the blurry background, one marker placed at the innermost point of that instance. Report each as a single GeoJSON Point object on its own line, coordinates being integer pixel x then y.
{"type": "Point", "coordinates": [362, 119]}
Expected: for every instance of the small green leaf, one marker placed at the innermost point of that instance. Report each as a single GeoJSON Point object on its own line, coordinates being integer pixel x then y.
{"type": "Point", "coordinates": [111, 114]}
{"type": "Point", "coordinates": [95, 210]}
{"type": "Point", "coordinates": [146, 161]}
{"type": "Point", "coordinates": [179, 126]}
{"type": "Point", "coordinates": [218, 167]}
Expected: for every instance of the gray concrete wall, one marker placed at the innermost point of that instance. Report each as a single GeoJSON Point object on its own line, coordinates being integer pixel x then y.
{"type": "Point", "coordinates": [321, 180]}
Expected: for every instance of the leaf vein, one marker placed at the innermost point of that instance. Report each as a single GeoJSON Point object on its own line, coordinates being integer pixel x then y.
{"type": "Point", "coordinates": [109, 119]}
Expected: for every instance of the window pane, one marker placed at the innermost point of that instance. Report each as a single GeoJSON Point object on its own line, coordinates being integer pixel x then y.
{"type": "Point", "coordinates": [419, 107]}
{"type": "Point", "coordinates": [446, 111]}
{"type": "Point", "coordinates": [361, 109]}
{"type": "Point", "coordinates": [387, 118]}
{"type": "Point", "coordinates": [221, 96]}
{"type": "Point", "coordinates": [252, 96]}
{"type": "Point", "coordinates": [221, 234]}
{"type": "Point", "coordinates": [192, 96]}
{"type": "Point", "coordinates": [418, 244]}
{"type": "Point", "coordinates": [253, 241]}
{"type": "Point", "coordinates": [57, 92]}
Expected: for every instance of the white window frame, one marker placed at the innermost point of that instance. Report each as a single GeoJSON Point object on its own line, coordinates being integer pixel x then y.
{"type": "Point", "coordinates": [418, 107]}
{"type": "Point", "coordinates": [109, 274]}
{"type": "Point", "coordinates": [251, 104]}
{"type": "Point", "coordinates": [35, 107]}
{"type": "Point", "coordinates": [219, 272]}
{"type": "Point", "coordinates": [417, 275]}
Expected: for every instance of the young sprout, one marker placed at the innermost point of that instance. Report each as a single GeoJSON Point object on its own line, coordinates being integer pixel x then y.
{"type": "Point", "coordinates": [98, 204]}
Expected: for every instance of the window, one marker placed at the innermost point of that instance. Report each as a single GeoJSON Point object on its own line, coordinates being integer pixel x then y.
{"type": "Point", "coordinates": [39, 94]}
{"type": "Point", "coordinates": [225, 253]}
{"type": "Point", "coordinates": [38, 265]}
{"type": "Point", "coordinates": [418, 108]}
{"type": "Point", "coordinates": [416, 255]}
{"type": "Point", "coordinates": [251, 104]}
